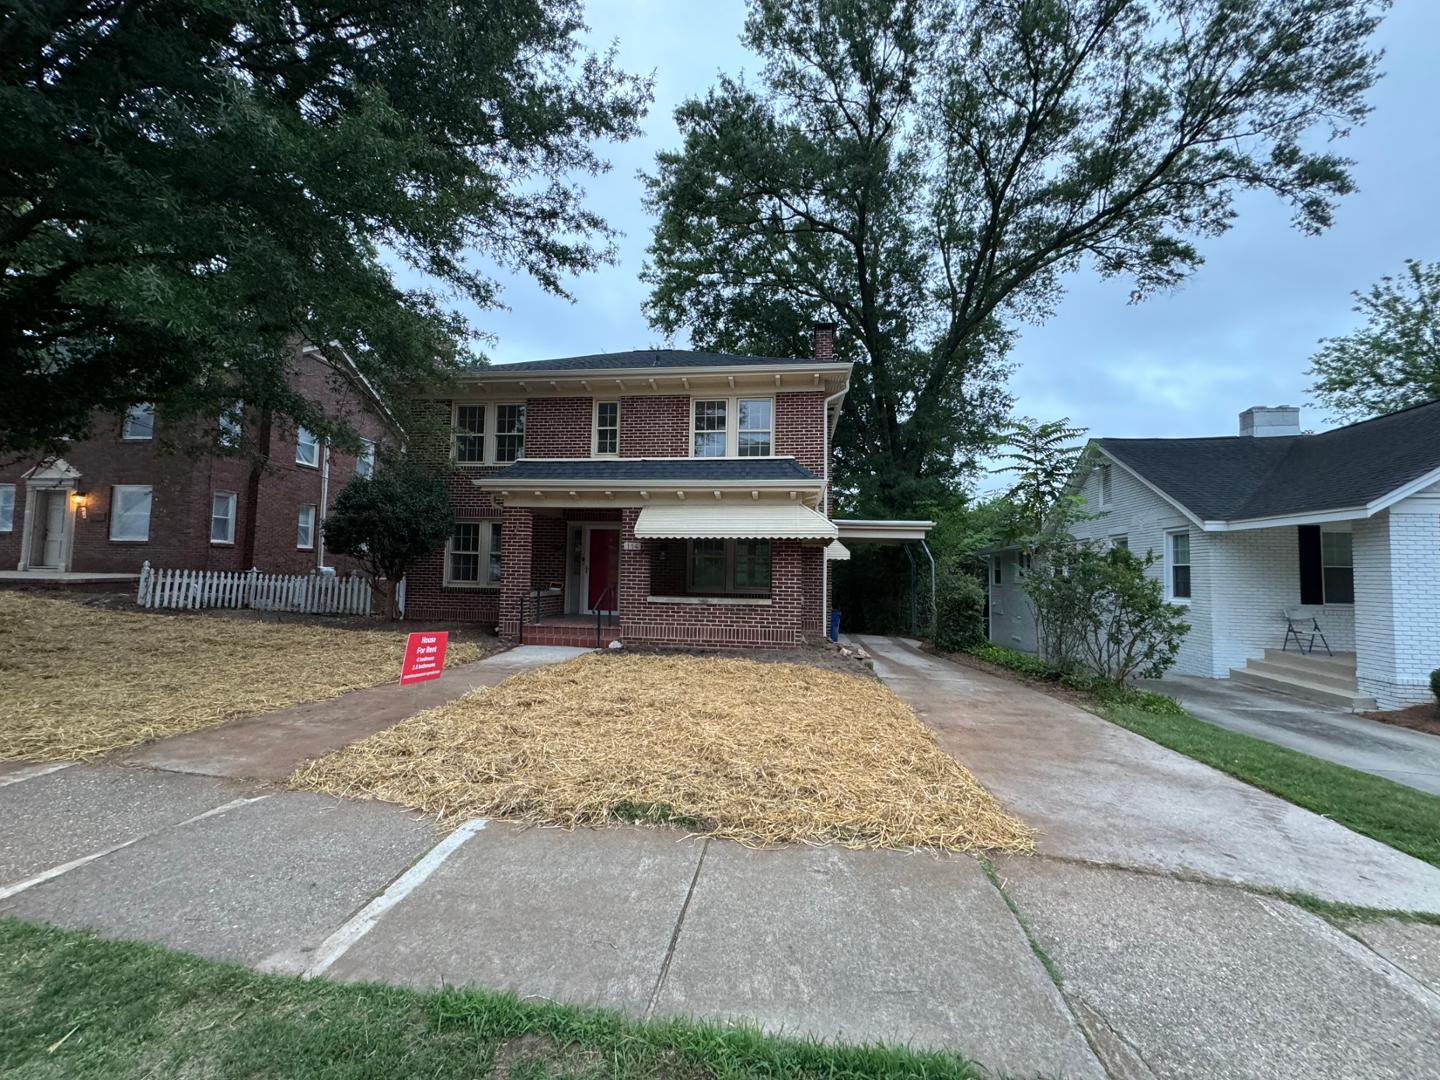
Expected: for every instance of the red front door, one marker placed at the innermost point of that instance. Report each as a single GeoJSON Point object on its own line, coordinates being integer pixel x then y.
{"type": "Point", "coordinates": [604, 557]}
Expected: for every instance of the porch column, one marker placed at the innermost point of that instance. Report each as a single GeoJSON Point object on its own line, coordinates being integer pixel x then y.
{"type": "Point", "coordinates": [1397, 593]}
{"type": "Point", "coordinates": [634, 591]}
{"type": "Point", "coordinates": [516, 534]}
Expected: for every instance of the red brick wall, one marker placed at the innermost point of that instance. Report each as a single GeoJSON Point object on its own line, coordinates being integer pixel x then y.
{"type": "Point", "coordinates": [657, 426]}
{"type": "Point", "coordinates": [800, 429]}
{"type": "Point", "coordinates": [777, 624]}
{"type": "Point", "coordinates": [183, 487]}
{"type": "Point", "coordinates": [558, 427]}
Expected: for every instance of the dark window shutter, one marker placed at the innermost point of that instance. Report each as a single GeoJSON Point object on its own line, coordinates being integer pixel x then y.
{"type": "Point", "coordinates": [1312, 575]}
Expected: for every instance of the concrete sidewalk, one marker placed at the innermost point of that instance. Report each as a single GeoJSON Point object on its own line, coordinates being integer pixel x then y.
{"type": "Point", "coordinates": [1158, 977]}
{"type": "Point", "coordinates": [270, 747]}
{"type": "Point", "coordinates": [1396, 753]}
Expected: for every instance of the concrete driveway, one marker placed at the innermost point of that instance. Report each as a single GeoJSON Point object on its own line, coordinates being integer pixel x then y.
{"type": "Point", "coordinates": [1407, 757]}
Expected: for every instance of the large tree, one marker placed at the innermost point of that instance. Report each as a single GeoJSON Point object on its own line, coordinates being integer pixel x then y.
{"type": "Point", "coordinates": [927, 172]}
{"type": "Point", "coordinates": [188, 187]}
{"type": "Point", "coordinates": [1393, 360]}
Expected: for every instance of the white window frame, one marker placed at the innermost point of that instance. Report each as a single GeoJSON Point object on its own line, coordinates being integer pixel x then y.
{"type": "Point", "coordinates": [732, 422]}
{"type": "Point", "coordinates": [1120, 540]}
{"type": "Point", "coordinates": [488, 554]}
{"type": "Point", "coordinates": [7, 508]}
{"type": "Point", "coordinates": [1106, 477]}
{"type": "Point", "coordinates": [307, 521]}
{"type": "Point", "coordinates": [1171, 564]}
{"type": "Point", "coordinates": [115, 495]}
{"type": "Point", "coordinates": [1324, 589]}
{"type": "Point", "coordinates": [145, 409]}
{"type": "Point", "coordinates": [489, 436]}
{"type": "Point", "coordinates": [233, 502]}
{"type": "Point", "coordinates": [729, 588]}
{"type": "Point", "coordinates": [496, 433]}
{"type": "Point", "coordinates": [303, 438]}
{"type": "Point", "coordinates": [365, 458]}
{"type": "Point", "coordinates": [595, 450]}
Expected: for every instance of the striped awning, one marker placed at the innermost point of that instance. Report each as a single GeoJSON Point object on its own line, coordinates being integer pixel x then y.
{"type": "Point", "coordinates": [732, 521]}
{"type": "Point", "coordinates": [836, 550]}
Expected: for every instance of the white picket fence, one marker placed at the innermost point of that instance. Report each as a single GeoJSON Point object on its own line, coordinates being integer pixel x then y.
{"type": "Point", "coordinates": [311, 594]}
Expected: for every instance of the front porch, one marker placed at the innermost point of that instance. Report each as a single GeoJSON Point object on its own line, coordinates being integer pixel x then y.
{"type": "Point", "coordinates": [1313, 676]}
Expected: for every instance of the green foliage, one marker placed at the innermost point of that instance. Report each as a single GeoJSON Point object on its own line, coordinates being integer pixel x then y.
{"type": "Point", "coordinates": [1025, 663]}
{"type": "Point", "coordinates": [390, 520]}
{"type": "Point", "coordinates": [1435, 683]}
{"type": "Point", "coordinates": [960, 610]}
{"type": "Point", "coordinates": [927, 172]}
{"type": "Point", "coordinates": [1393, 361]}
{"type": "Point", "coordinates": [1098, 611]}
{"type": "Point", "coordinates": [190, 186]}
{"type": "Point", "coordinates": [1043, 458]}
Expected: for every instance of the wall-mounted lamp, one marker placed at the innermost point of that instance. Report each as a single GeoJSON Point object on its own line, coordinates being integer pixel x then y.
{"type": "Point", "coordinates": [80, 501]}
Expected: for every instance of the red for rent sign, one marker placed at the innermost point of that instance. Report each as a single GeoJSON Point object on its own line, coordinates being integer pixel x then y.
{"type": "Point", "coordinates": [424, 657]}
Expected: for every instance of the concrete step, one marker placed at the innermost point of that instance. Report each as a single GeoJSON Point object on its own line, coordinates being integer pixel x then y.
{"type": "Point", "coordinates": [1323, 674]}
{"type": "Point", "coordinates": [1305, 689]}
{"type": "Point", "coordinates": [1340, 661]}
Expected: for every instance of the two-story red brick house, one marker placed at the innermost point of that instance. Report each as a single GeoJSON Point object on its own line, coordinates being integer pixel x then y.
{"type": "Point", "coordinates": [116, 500]}
{"type": "Point", "coordinates": [681, 495]}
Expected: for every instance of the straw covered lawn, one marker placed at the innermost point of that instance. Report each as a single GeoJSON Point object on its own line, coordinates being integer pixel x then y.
{"type": "Point", "coordinates": [77, 681]}
{"type": "Point", "coordinates": [756, 752]}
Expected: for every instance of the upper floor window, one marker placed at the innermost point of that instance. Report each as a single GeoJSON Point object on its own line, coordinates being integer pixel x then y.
{"type": "Point", "coordinates": [365, 463]}
{"type": "Point", "coordinates": [732, 427]}
{"type": "Point", "coordinates": [481, 433]}
{"type": "Point", "coordinates": [607, 428]}
{"type": "Point", "coordinates": [232, 426]}
{"type": "Point", "coordinates": [307, 448]}
{"type": "Point", "coordinates": [1107, 485]}
{"type": "Point", "coordinates": [469, 434]}
{"type": "Point", "coordinates": [139, 423]}
{"type": "Point", "coordinates": [509, 432]}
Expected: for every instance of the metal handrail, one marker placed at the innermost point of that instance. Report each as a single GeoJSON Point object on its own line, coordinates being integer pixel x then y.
{"type": "Point", "coordinates": [600, 611]}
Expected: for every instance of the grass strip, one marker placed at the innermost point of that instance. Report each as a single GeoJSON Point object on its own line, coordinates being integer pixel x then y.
{"type": "Point", "coordinates": [1406, 819]}
{"type": "Point", "coordinates": [76, 1006]}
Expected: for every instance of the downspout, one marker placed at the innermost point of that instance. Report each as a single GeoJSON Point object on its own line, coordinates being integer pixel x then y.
{"type": "Point", "coordinates": [828, 429]}
{"type": "Point", "coordinates": [324, 504]}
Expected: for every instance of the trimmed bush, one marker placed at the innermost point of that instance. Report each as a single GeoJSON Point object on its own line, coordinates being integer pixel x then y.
{"type": "Point", "coordinates": [960, 610]}
{"type": "Point", "coordinates": [1435, 683]}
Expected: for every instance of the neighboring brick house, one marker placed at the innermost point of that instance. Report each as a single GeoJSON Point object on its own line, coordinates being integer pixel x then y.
{"type": "Point", "coordinates": [116, 500]}
{"type": "Point", "coordinates": [1340, 529]}
{"type": "Point", "coordinates": [682, 496]}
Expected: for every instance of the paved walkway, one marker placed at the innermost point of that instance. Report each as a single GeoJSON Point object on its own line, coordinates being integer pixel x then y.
{"type": "Point", "coordinates": [1400, 754]}
{"type": "Point", "coordinates": [1160, 976]}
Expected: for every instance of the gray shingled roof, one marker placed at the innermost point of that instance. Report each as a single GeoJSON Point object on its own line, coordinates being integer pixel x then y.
{"type": "Point", "coordinates": [638, 470]}
{"type": "Point", "coordinates": [646, 358]}
{"type": "Point", "coordinates": [1238, 478]}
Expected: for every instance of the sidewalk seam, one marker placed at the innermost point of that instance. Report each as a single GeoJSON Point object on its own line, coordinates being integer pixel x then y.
{"type": "Point", "coordinates": [675, 934]}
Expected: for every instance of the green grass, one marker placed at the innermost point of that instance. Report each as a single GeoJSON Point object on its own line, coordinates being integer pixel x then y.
{"type": "Point", "coordinates": [75, 1006]}
{"type": "Point", "coordinates": [1406, 819]}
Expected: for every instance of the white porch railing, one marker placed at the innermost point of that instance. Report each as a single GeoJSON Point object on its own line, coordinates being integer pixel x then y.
{"type": "Point", "coordinates": [310, 594]}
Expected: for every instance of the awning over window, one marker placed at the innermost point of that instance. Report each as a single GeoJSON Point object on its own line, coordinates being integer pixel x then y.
{"type": "Point", "coordinates": [729, 521]}
{"type": "Point", "coordinates": [836, 550]}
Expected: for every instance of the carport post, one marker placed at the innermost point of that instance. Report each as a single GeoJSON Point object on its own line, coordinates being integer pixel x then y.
{"type": "Point", "coordinates": [914, 612]}
{"type": "Point", "coordinates": [934, 611]}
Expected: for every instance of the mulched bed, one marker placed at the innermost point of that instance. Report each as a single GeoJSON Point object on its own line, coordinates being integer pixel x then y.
{"type": "Point", "coordinates": [819, 653]}
{"type": "Point", "coordinates": [1424, 718]}
{"type": "Point", "coordinates": [761, 753]}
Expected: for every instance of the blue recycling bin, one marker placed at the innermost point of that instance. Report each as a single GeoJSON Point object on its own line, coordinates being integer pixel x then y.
{"type": "Point", "coordinates": [835, 625]}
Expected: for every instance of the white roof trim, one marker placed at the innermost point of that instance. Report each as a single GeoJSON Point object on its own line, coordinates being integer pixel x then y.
{"type": "Point", "coordinates": [1176, 503]}
{"type": "Point", "coordinates": [757, 521]}
{"type": "Point", "coordinates": [883, 530]}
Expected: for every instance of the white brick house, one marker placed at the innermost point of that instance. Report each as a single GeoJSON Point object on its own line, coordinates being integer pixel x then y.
{"type": "Point", "coordinates": [1341, 526]}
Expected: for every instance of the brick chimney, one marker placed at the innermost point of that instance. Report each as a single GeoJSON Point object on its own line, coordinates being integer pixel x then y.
{"type": "Point", "coordinates": [824, 334]}
{"type": "Point", "coordinates": [1260, 421]}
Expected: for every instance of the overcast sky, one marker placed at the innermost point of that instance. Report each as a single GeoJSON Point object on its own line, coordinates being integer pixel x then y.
{"type": "Point", "coordinates": [1239, 333]}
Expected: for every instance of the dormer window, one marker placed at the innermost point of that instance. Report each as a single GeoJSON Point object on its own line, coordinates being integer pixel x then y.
{"type": "Point", "coordinates": [733, 427]}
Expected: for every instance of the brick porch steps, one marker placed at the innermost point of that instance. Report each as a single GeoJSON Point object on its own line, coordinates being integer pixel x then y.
{"type": "Point", "coordinates": [573, 634]}
{"type": "Point", "coordinates": [1325, 680]}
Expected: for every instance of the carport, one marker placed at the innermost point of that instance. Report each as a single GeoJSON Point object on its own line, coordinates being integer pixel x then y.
{"type": "Point", "coordinates": [908, 534]}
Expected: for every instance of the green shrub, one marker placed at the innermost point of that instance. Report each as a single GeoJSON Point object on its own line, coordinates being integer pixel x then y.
{"type": "Point", "coordinates": [1435, 683]}
{"type": "Point", "coordinates": [960, 610]}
